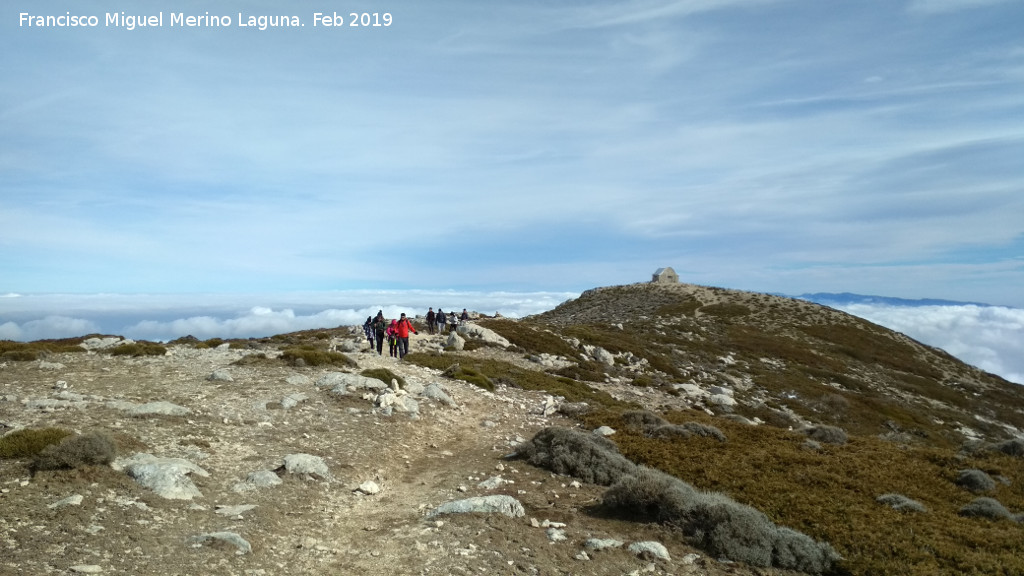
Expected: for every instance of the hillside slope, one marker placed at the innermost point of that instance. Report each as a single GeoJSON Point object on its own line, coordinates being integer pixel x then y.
{"type": "Point", "coordinates": [783, 415]}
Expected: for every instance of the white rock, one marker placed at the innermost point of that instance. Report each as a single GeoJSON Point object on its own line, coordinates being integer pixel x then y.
{"type": "Point", "coordinates": [167, 477]}
{"type": "Point", "coordinates": [86, 569]}
{"type": "Point", "coordinates": [232, 538]}
{"type": "Point", "coordinates": [556, 534]}
{"type": "Point", "coordinates": [492, 483]}
{"type": "Point", "coordinates": [307, 464]}
{"type": "Point", "coordinates": [74, 500]}
{"type": "Point", "coordinates": [232, 511]}
{"type": "Point", "coordinates": [649, 549]}
{"type": "Point", "coordinates": [220, 376]}
{"type": "Point", "coordinates": [604, 431]}
{"type": "Point", "coordinates": [369, 487]}
{"type": "Point", "coordinates": [158, 408]}
{"type": "Point", "coordinates": [721, 400]}
{"type": "Point", "coordinates": [601, 543]}
{"type": "Point", "coordinates": [603, 356]}
{"type": "Point", "coordinates": [500, 504]}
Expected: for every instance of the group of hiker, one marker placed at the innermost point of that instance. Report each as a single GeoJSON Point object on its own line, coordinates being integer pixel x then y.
{"type": "Point", "coordinates": [438, 320]}
{"type": "Point", "coordinates": [377, 330]}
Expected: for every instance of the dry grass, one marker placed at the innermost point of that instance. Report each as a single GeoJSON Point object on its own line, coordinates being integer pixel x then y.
{"type": "Point", "coordinates": [29, 442]}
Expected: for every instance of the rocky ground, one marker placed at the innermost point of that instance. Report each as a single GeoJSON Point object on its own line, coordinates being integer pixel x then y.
{"type": "Point", "coordinates": [242, 419]}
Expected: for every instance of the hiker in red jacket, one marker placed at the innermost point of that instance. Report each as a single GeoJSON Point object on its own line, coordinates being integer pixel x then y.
{"type": "Point", "coordinates": [403, 328]}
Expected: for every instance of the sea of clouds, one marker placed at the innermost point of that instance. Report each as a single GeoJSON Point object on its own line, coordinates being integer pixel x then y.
{"type": "Point", "coordinates": [989, 337]}
{"type": "Point", "coordinates": [166, 317]}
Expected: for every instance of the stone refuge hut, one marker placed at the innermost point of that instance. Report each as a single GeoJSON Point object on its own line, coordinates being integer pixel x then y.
{"type": "Point", "coordinates": [665, 276]}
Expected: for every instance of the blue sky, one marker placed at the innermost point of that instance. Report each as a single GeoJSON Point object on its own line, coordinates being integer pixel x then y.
{"type": "Point", "coordinates": [778, 146]}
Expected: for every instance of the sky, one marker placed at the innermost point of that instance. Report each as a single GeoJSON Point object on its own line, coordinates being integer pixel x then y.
{"type": "Point", "coordinates": [783, 146]}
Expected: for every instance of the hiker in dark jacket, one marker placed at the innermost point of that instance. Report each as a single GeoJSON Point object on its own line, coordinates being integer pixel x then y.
{"type": "Point", "coordinates": [380, 325]}
{"type": "Point", "coordinates": [431, 318]}
{"type": "Point", "coordinates": [441, 320]}
{"type": "Point", "coordinates": [368, 330]}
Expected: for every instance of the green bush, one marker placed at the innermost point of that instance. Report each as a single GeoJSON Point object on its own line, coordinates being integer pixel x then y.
{"type": "Point", "coordinates": [91, 449]}
{"type": "Point", "coordinates": [309, 355]}
{"type": "Point", "coordinates": [583, 455]}
{"type": "Point", "coordinates": [827, 434]}
{"type": "Point", "coordinates": [901, 503]}
{"type": "Point", "coordinates": [384, 375]}
{"type": "Point", "coordinates": [141, 348]}
{"type": "Point", "coordinates": [975, 480]}
{"type": "Point", "coordinates": [27, 442]}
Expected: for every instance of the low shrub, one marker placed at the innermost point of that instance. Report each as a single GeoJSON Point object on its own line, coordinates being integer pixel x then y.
{"type": "Point", "coordinates": [91, 449]}
{"type": "Point", "coordinates": [583, 455]}
{"type": "Point", "coordinates": [136, 349]}
{"type": "Point", "coordinates": [1013, 447]}
{"type": "Point", "coordinates": [985, 507]}
{"type": "Point", "coordinates": [257, 359]}
{"type": "Point", "coordinates": [309, 355]}
{"type": "Point", "coordinates": [643, 419]}
{"type": "Point", "coordinates": [686, 430]}
{"type": "Point", "coordinates": [716, 523]}
{"type": "Point", "coordinates": [827, 434]}
{"type": "Point", "coordinates": [648, 495]}
{"type": "Point", "coordinates": [384, 375]}
{"type": "Point", "coordinates": [975, 480]}
{"type": "Point", "coordinates": [28, 442]}
{"type": "Point", "coordinates": [901, 503]}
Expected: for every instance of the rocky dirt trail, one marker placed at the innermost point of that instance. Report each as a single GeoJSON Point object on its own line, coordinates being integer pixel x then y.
{"type": "Point", "coordinates": [247, 419]}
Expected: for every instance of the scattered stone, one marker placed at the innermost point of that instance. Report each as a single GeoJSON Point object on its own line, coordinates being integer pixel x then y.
{"type": "Point", "coordinates": [243, 546]}
{"type": "Point", "coordinates": [220, 376]}
{"type": "Point", "coordinates": [93, 344]}
{"type": "Point", "coordinates": [596, 544]}
{"type": "Point", "coordinates": [258, 479]}
{"type": "Point", "coordinates": [492, 483]}
{"type": "Point", "coordinates": [369, 488]}
{"type": "Point", "coordinates": [604, 431]}
{"type": "Point", "coordinates": [292, 400]}
{"type": "Point", "coordinates": [158, 409]}
{"type": "Point", "coordinates": [167, 477]}
{"type": "Point", "coordinates": [435, 392]}
{"type": "Point", "coordinates": [233, 511]}
{"type": "Point", "coordinates": [650, 550]}
{"type": "Point", "coordinates": [556, 534]}
{"type": "Point", "coordinates": [86, 569]}
{"type": "Point", "coordinates": [75, 500]}
{"type": "Point", "coordinates": [343, 382]}
{"type": "Point", "coordinates": [455, 341]}
{"type": "Point", "coordinates": [500, 504]}
{"type": "Point", "coordinates": [307, 465]}
{"type": "Point", "coordinates": [44, 365]}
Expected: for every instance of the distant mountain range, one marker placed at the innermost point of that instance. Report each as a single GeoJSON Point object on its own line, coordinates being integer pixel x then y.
{"type": "Point", "coordinates": [828, 298]}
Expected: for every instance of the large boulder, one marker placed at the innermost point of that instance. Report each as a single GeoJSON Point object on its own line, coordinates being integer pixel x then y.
{"type": "Point", "coordinates": [167, 477]}
{"type": "Point", "coordinates": [345, 383]}
{"type": "Point", "coordinates": [487, 335]}
{"type": "Point", "coordinates": [499, 503]}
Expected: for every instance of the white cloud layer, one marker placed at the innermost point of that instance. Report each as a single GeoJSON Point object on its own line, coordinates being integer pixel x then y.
{"type": "Point", "coordinates": [166, 317]}
{"type": "Point", "coordinates": [989, 337]}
